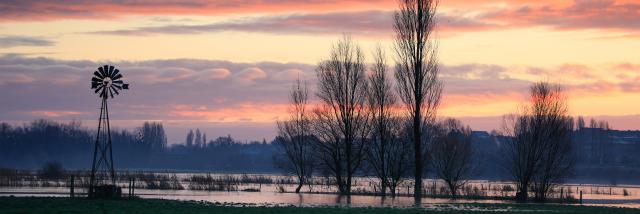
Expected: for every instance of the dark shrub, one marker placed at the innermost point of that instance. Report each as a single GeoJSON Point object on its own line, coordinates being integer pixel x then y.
{"type": "Point", "coordinates": [52, 170]}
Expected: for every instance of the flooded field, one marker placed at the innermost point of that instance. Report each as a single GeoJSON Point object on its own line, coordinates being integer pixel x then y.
{"type": "Point", "coordinates": [266, 189]}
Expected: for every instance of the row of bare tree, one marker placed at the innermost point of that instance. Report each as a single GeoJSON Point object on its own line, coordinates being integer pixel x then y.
{"type": "Point", "coordinates": [359, 126]}
{"type": "Point", "coordinates": [355, 120]}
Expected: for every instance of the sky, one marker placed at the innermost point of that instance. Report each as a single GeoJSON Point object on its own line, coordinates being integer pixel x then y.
{"type": "Point", "coordinates": [226, 66]}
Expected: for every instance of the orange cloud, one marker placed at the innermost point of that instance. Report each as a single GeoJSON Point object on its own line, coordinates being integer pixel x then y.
{"type": "Point", "coordinates": [247, 112]}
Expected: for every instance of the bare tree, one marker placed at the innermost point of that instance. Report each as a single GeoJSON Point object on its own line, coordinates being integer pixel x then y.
{"type": "Point", "coordinates": [399, 154]}
{"type": "Point", "coordinates": [198, 139]}
{"type": "Point", "coordinates": [417, 72]}
{"type": "Point", "coordinates": [296, 139]}
{"type": "Point", "coordinates": [453, 155]}
{"type": "Point", "coordinates": [599, 138]}
{"type": "Point", "coordinates": [341, 120]}
{"type": "Point", "coordinates": [580, 123]}
{"type": "Point", "coordinates": [189, 140]}
{"type": "Point", "coordinates": [539, 154]}
{"type": "Point", "coordinates": [388, 153]}
{"type": "Point", "coordinates": [153, 136]}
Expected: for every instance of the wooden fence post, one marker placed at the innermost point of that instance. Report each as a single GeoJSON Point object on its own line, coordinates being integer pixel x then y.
{"type": "Point", "coordinates": [581, 197]}
{"type": "Point", "coordinates": [72, 194]}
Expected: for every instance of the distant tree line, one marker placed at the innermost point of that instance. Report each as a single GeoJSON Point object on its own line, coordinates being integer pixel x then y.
{"type": "Point", "coordinates": [37, 144]}
{"type": "Point", "coordinates": [32, 144]}
{"type": "Point", "coordinates": [41, 142]}
{"type": "Point", "coordinates": [223, 154]}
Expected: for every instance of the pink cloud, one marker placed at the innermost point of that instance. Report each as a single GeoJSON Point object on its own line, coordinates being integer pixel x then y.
{"type": "Point", "coordinates": [292, 75]}
{"type": "Point", "coordinates": [251, 74]}
{"type": "Point", "coordinates": [582, 14]}
{"type": "Point", "coordinates": [15, 78]}
{"type": "Point", "coordinates": [628, 67]}
{"type": "Point", "coordinates": [366, 18]}
{"type": "Point", "coordinates": [213, 74]}
{"type": "Point", "coordinates": [49, 114]}
{"type": "Point", "coordinates": [29, 10]}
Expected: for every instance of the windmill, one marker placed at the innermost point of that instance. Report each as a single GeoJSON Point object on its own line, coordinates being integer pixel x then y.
{"type": "Point", "coordinates": [106, 82]}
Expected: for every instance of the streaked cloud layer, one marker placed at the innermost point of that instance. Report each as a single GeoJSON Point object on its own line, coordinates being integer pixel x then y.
{"type": "Point", "coordinates": [226, 92]}
{"type": "Point", "coordinates": [14, 41]}
{"type": "Point", "coordinates": [582, 15]}
{"type": "Point", "coordinates": [30, 10]}
{"type": "Point", "coordinates": [229, 64]}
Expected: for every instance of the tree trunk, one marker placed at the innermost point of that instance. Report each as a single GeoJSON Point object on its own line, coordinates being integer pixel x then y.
{"type": "Point", "coordinates": [383, 188]}
{"type": "Point", "coordinates": [417, 189]}
{"type": "Point", "coordinates": [349, 164]}
{"type": "Point", "coordinates": [339, 180]}
{"type": "Point", "coordinates": [392, 188]}
{"type": "Point", "coordinates": [540, 193]}
{"type": "Point", "coordinates": [299, 187]}
{"type": "Point", "coordinates": [452, 189]}
{"type": "Point", "coordinates": [348, 186]}
{"type": "Point", "coordinates": [521, 195]}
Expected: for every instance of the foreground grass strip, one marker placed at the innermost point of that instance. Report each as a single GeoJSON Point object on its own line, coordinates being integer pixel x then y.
{"type": "Point", "coordinates": [81, 205]}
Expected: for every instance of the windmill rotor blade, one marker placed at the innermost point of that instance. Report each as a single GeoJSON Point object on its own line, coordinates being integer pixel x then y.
{"type": "Point", "coordinates": [95, 79]}
{"type": "Point", "coordinates": [97, 74]}
{"type": "Point", "coordinates": [94, 85]}
{"type": "Point", "coordinates": [111, 92]}
{"type": "Point", "coordinates": [98, 88]}
{"type": "Point", "coordinates": [105, 68]}
{"type": "Point", "coordinates": [114, 89]}
{"type": "Point", "coordinates": [118, 82]}
{"type": "Point", "coordinates": [115, 72]}
{"type": "Point", "coordinates": [117, 76]}
{"type": "Point", "coordinates": [116, 86]}
{"type": "Point", "coordinates": [125, 86]}
{"type": "Point", "coordinates": [102, 72]}
{"type": "Point", "coordinates": [111, 70]}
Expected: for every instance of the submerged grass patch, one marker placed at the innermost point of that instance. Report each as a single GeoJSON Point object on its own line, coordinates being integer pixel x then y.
{"type": "Point", "coordinates": [156, 206]}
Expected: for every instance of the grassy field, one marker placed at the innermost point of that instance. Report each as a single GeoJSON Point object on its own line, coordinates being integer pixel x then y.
{"type": "Point", "coordinates": [80, 205]}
